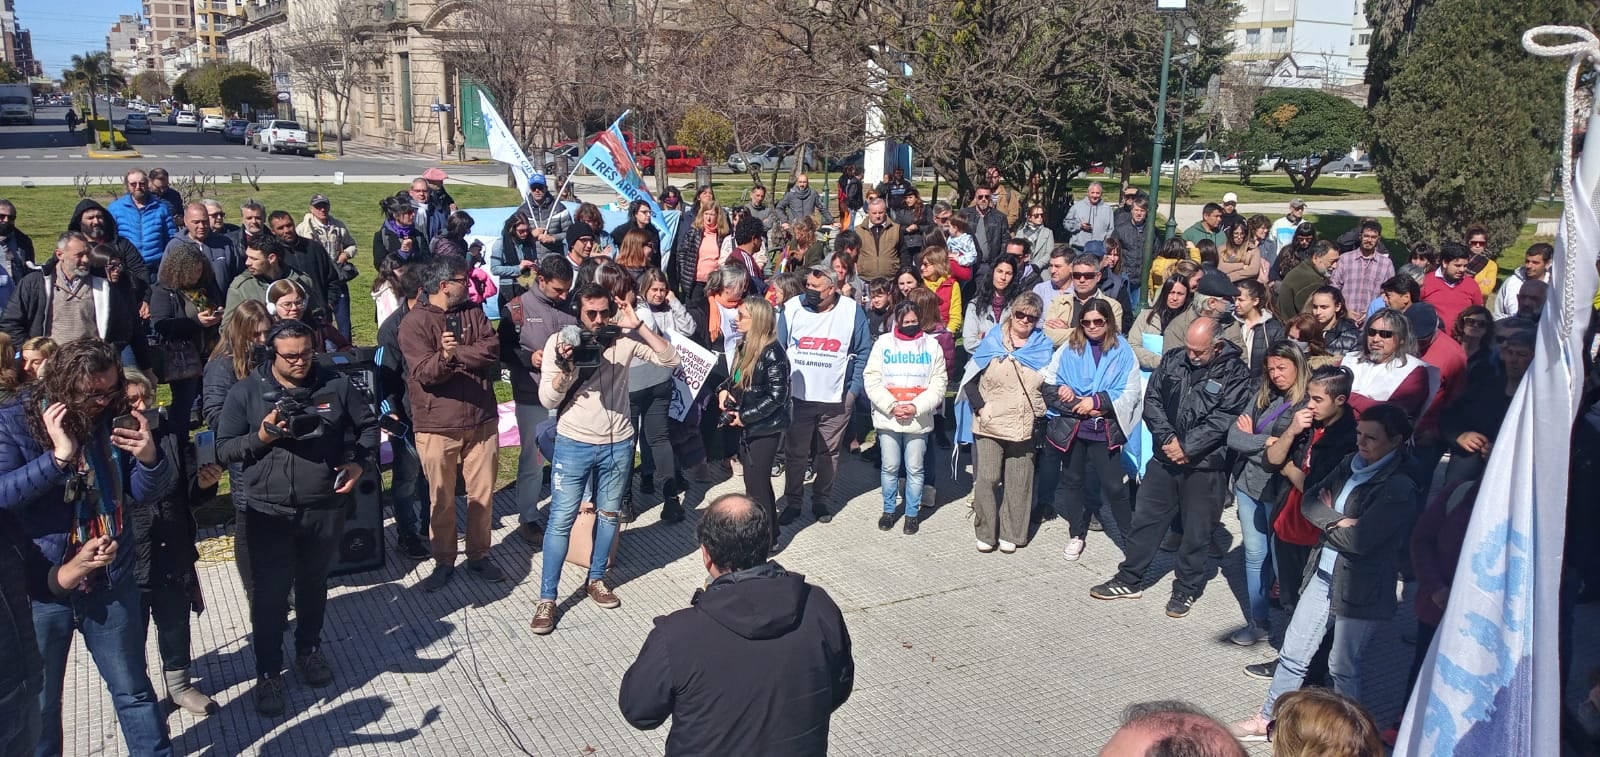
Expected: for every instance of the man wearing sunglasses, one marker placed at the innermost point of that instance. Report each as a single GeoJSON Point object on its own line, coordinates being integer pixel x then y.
{"type": "Point", "coordinates": [287, 425]}
{"type": "Point", "coordinates": [989, 230]}
{"type": "Point", "coordinates": [1388, 370]}
{"type": "Point", "coordinates": [66, 301]}
{"type": "Point", "coordinates": [1062, 311]}
{"type": "Point", "coordinates": [145, 219]}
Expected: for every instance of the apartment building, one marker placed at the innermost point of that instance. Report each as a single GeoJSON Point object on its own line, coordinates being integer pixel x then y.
{"type": "Point", "coordinates": [1307, 43]}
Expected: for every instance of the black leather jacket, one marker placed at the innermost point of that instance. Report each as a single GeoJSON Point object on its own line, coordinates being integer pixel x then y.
{"type": "Point", "coordinates": [1196, 405]}
{"type": "Point", "coordinates": [764, 407]}
{"type": "Point", "coordinates": [1343, 336]}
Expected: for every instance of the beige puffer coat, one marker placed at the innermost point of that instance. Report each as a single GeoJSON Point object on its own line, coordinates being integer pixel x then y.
{"type": "Point", "coordinates": [1009, 391]}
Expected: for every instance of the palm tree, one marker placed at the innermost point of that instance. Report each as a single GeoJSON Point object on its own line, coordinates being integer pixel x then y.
{"type": "Point", "coordinates": [95, 72]}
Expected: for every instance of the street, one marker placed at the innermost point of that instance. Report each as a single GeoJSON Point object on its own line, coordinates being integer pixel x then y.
{"type": "Point", "coordinates": [45, 150]}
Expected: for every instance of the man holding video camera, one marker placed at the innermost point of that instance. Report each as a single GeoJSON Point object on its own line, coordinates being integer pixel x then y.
{"type": "Point", "coordinates": [585, 380]}
{"type": "Point", "coordinates": [290, 425]}
{"type": "Point", "coordinates": [453, 358]}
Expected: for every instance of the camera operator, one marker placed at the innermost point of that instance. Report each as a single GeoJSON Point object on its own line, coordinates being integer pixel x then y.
{"type": "Point", "coordinates": [452, 356]}
{"type": "Point", "coordinates": [587, 385]}
{"type": "Point", "coordinates": [72, 476]}
{"type": "Point", "coordinates": [287, 425]}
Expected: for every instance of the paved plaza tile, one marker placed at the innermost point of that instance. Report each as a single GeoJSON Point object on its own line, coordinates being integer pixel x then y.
{"type": "Point", "coordinates": [957, 653]}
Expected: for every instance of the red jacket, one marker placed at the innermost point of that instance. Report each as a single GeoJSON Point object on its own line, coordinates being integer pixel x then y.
{"type": "Point", "coordinates": [1447, 355]}
{"type": "Point", "coordinates": [1436, 541]}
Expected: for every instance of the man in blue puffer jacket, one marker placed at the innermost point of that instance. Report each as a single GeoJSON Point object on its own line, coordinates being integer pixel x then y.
{"type": "Point", "coordinates": [144, 219]}
{"type": "Point", "coordinates": [70, 478]}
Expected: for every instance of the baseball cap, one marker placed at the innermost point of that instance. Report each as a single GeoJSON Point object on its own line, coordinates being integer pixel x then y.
{"type": "Point", "coordinates": [1297, 204]}
{"type": "Point", "coordinates": [320, 200]}
{"type": "Point", "coordinates": [435, 174]}
{"type": "Point", "coordinates": [1230, 197]}
{"type": "Point", "coordinates": [1095, 247]}
{"type": "Point", "coordinates": [538, 180]}
{"type": "Point", "coordinates": [1217, 284]}
{"type": "Point", "coordinates": [1424, 320]}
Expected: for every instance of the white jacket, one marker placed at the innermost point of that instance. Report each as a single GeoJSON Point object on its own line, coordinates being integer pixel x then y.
{"type": "Point", "coordinates": [905, 370]}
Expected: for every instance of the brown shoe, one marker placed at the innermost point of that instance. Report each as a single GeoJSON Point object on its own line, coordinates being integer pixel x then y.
{"type": "Point", "coordinates": [601, 595]}
{"type": "Point", "coordinates": [544, 617]}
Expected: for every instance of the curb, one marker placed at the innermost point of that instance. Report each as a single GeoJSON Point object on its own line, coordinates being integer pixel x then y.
{"type": "Point", "coordinates": [118, 155]}
{"type": "Point", "coordinates": [467, 163]}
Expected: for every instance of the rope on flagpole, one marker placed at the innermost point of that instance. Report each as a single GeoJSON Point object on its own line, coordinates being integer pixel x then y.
{"type": "Point", "coordinates": [1586, 49]}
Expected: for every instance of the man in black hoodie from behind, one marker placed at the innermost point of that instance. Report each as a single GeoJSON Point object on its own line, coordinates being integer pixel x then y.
{"type": "Point", "coordinates": [101, 229]}
{"type": "Point", "coordinates": [756, 665]}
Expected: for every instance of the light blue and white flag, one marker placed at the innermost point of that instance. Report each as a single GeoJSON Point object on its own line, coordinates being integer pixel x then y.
{"type": "Point", "coordinates": [611, 159]}
{"type": "Point", "coordinates": [503, 145]}
{"type": "Point", "coordinates": [1482, 690]}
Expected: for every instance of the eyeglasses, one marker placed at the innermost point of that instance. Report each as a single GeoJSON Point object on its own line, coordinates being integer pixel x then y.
{"type": "Point", "coordinates": [1026, 317]}
{"type": "Point", "coordinates": [297, 357]}
{"type": "Point", "coordinates": [983, 196]}
{"type": "Point", "coordinates": [107, 396]}
{"type": "Point", "coordinates": [6, 216]}
{"type": "Point", "coordinates": [1385, 333]}
{"type": "Point", "coordinates": [594, 315]}
{"type": "Point", "coordinates": [1475, 323]}
{"type": "Point", "coordinates": [1087, 322]}
{"type": "Point", "coordinates": [462, 281]}
{"type": "Point", "coordinates": [216, 215]}
{"type": "Point", "coordinates": [291, 304]}
{"type": "Point", "coordinates": [1478, 243]}
{"type": "Point", "coordinates": [138, 183]}
{"type": "Point", "coordinates": [1084, 275]}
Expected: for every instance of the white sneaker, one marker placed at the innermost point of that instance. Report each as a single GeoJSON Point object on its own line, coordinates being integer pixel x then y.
{"type": "Point", "coordinates": [1250, 635]}
{"type": "Point", "coordinates": [1074, 549]}
{"type": "Point", "coordinates": [1007, 547]}
{"type": "Point", "coordinates": [985, 547]}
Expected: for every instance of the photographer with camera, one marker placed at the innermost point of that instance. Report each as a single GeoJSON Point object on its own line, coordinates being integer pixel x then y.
{"type": "Point", "coordinates": [74, 465]}
{"type": "Point", "coordinates": [453, 357]}
{"type": "Point", "coordinates": [585, 380]}
{"type": "Point", "coordinates": [286, 426]}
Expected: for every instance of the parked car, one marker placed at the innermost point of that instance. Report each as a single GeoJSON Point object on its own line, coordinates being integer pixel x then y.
{"type": "Point", "coordinates": [250, 131]}
{"type": "Point", "coordinates": [680, 159]}
{"type": "Point", "coordinates": [1349, 165]}
{"type": "Point", "coordinates": [213, 122]}
{"type": "Point", "coordinates": [568, 149]}
{"type": "Point", "coordinates": [857, 158]}
{"type": "Point", "coordinates": [235, 130]}
{"type": "Point", "coordinates": [282, 136]}
{"type": "Point", "coordinates": [185, 118]}
{"type": "Point", "coordinates": [1264, 165]}
{"type": "Point", "coordinates": [766, 157]}
{"type": "Point", "coordinates": [1204, 161]}
{"type": "Point", "coordinates": [136, 122]}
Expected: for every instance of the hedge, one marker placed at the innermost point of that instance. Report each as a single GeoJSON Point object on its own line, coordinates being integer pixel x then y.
{"type": "Point", "coordinates": [104, 134]}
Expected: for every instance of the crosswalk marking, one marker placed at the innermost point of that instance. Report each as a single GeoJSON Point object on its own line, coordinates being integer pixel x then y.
{"type": "Point", "coordinates": [24, 157]}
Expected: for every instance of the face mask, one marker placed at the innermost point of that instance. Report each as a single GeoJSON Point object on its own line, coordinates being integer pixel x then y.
{"type": "Point", "coordinates": [910, 332]}
{"type": "Point", "coordinates": [1302, 345]}
{"type": "Point", "coordinates": [811, 300]}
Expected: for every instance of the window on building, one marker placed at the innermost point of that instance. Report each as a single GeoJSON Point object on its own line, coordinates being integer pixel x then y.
{"type": "Point", "coordinates": [1365, 39]}
{"type": "Point", "coordinates": [1252, 38]}
{"type": "Point", "coordinates": [1280, 35]}
{"type": "Point", "coordinates": [404, 105]}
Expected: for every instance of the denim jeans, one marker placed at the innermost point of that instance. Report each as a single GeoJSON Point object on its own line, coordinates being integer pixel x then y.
{"type": "Point", "coordinates": [570, 470]}
{"type": "Point", "coordinates": [410, 520]}
{"type": "Point", "coordinates": [530, 469]}
{"type": "Point", "coordinates": [184, 394]}
{"type": "Point", "coordinates": [113, 627]}
{"type": "Point", "coordinates": [341, 312]}
{"type": "Point", "coordinates": [912, 449]}
{"type": "Point", "coordinates": [1300, 642]}
{"type": "Point", "coordinates": [1258, 572]}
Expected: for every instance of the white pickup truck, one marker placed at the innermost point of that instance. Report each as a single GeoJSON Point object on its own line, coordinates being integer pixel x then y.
{"type": "Point", "coordinates": [282, 136]}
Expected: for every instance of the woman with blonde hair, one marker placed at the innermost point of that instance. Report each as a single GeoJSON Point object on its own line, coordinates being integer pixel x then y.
{"type": "Point", "coordinates": [36, 354]}
{"type": "Point", "coordinates": [755, 400]}
{"type": "Point", "coordinates": [804, 249]}
{"type": "Point", "coordinates": [1239, 259]}
{"type": "Point", "coordinates": [1316, 722]}
{"type": "Point", "coordinates": [935, 268]}
{"type": "Point", "coordinates": [698, 249]}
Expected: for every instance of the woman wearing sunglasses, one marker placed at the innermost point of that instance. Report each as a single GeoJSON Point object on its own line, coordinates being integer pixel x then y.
{"type": "Point", "coordinates": [1094, 397]}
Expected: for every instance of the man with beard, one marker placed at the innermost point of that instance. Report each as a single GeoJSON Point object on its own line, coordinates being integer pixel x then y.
{"type": "Point", "coordinates": [800, 202]}
{"type": "Point", "coordinates": [452, 358]}
{"type": "Point", "coordinates": [548, 217]}
{"type": "Point", "coordinates": [66, 302]}
{"type": "Point", "coordinates": [525, 326]}
{"type": "Point", "coordinates": [144, 219]}
{"type": "Point", "coordinates": [263, 265]}
{"type": "Point", "coordinates": [16, 252]}
{"type": "Point", "coordinates": [226, 259]}
{"type": "Point", "coordinates": [1194, 396]}
{"type": "Point", "coordinates": [161, 189]}
{"type": "Point", "coordinates": [253, 217]}
{"type": "Point", "coordinates": [71, 475]}
{"type": "Point", "coordinates": [310, 258]}
{"type": "Point", "coordinates": [1305, 278]}
{"type": "Point", "coordinates": [321, 227]}
{"type": "Point", "coordinates": [298, 468]}
{"type": "Point", "coordinates": [95, 222]}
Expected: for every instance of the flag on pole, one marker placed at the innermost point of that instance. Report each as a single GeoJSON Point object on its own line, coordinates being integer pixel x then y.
{"type": "Point", "coordinates": [503, 146]}
{"type": "Point", "coordinates": [610, 159]}
{"type": "Point", "coordinates": [1482, 690]}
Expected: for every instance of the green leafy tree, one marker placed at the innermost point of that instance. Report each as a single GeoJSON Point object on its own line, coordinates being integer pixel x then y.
{"type": "Point", "coordinates": [224, 85]}
{"type": "Point", "coordinates": [1308, 128]}
{"type": "Point", "coordinates": [704, 131]}
{"type": "Point", "coordinates": [1447, 152]}
{"type": "Point", "coordinates": [10, 74]}
{"type": "Point", "coordinates": [94, 73]}
{"type": "Point", "coordinates": [150, 86]}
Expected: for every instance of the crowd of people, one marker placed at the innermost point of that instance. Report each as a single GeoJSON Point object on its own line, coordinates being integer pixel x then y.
{"type": "Point", "coordinates": [1306, 382]}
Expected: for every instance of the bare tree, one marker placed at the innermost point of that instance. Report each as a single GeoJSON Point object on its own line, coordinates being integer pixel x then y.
{"type": "Point", "coordinates": [514, 52]}
{"type": "Point", "coordinates": [334, 49]}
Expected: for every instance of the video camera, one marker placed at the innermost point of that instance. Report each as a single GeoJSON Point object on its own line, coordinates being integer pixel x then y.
{"type": "Point", "coordinates": [587, 345]}
{"type": "Point", "coordinates": [297, 416]}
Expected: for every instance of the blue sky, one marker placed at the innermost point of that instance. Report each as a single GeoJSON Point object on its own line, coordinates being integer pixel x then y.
{"type": "Point", "coordinates": [64, 29]}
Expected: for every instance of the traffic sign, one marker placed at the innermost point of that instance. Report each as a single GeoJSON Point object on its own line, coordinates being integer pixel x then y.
{"type": "Point", "coordinates": [442, 108]}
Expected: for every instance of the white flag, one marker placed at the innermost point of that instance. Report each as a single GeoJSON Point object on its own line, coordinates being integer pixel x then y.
{"type": "Point", "coordinates": [503, 146]}
{"type": "Point", "coordinates": [1482, 690]}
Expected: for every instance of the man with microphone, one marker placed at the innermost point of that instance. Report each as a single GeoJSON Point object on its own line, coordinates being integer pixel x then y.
{"type": "Point", "coordinates": [585, 381]}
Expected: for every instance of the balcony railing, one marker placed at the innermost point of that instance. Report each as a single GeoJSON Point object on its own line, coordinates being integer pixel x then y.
{"type": "Point", "coordinates": [257, 12]}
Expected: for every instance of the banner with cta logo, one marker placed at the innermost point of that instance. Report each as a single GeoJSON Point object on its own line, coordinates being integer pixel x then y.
{"type": "Point", "coordinates": [819, 348]}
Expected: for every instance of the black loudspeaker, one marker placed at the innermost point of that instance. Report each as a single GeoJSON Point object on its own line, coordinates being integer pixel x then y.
{"type": "Point", "coordinates": [361, 547]}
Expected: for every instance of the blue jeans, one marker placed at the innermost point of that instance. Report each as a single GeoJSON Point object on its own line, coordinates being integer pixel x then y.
{"type": "Point", "coordinates": [341, 312]}
{"type": "Point", "coordinates": [570, 469]}
{"type": "Point", "coordinates": [1258, 570]}
{"type": "Point", "coordinates": [1311, 618]}
{"type": "Point", "coordinates": [530, 471]}
{"type": "Point", "coordinates": [410, 520]}
{"type": "Point", "coordinates": [912, 448]}
{"type": "Point", "coordinates": [112, 623]}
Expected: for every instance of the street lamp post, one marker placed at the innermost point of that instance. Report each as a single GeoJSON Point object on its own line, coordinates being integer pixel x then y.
{"type": "Point", "coordinates": [1155, 159]}
{"type": "Point", "coordinates": [1183, 62]}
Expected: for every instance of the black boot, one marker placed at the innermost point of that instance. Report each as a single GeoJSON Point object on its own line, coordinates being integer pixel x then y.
{"type": "Point", "coordinates": [671, 507]}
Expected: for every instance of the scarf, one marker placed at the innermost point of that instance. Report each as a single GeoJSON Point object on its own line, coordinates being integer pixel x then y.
{"type": "Point", "coordinates": [997, 305]}
{"type": "Point", "coordinates": [1361, 472]}
{"type": "Point", "coordinates": [1087, 376]}
{"type": "Point", "coordinates": [1034, 353]}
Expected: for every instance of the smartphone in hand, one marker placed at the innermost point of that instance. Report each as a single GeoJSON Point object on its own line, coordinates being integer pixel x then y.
{"type": "Point", "coordinates": [125, 421]}
{"type": "Point", "coordinates": [452, 324]}
{"type": "Point", "coordinates": [205, 448]}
